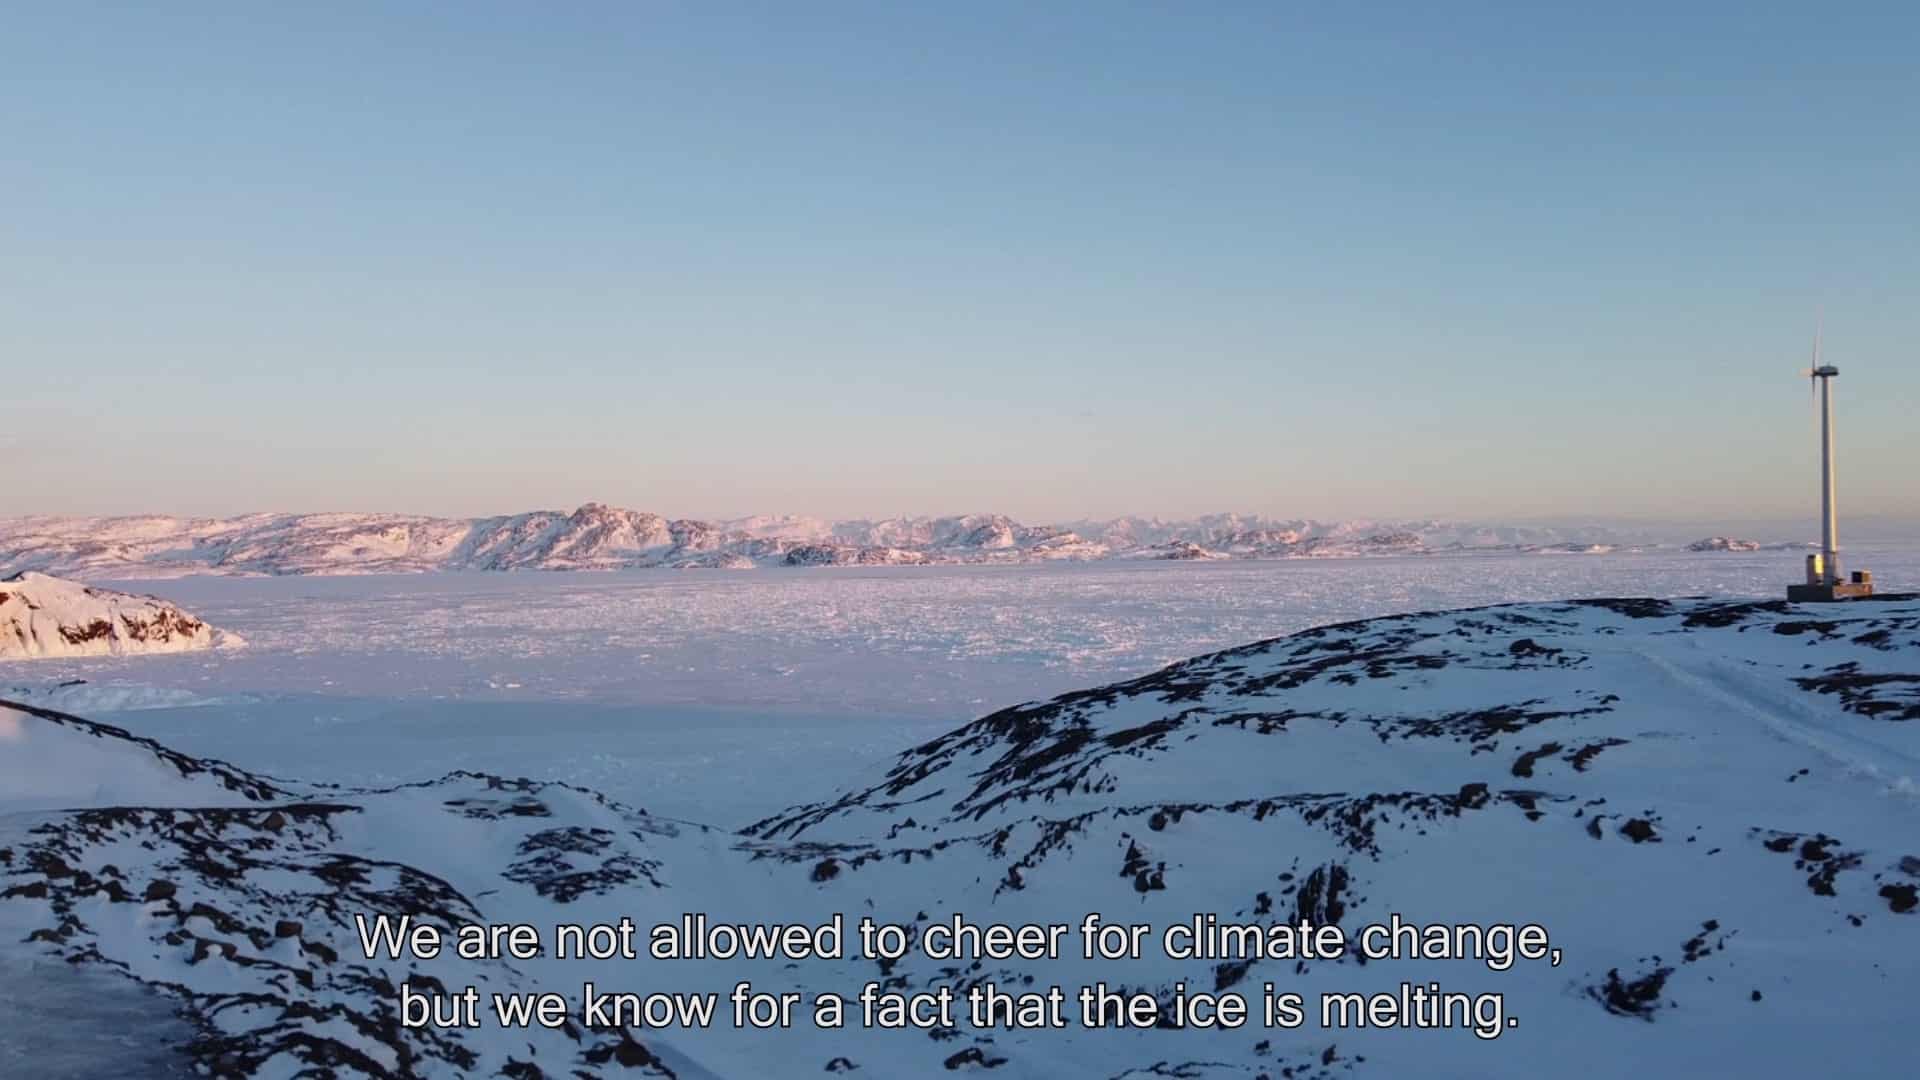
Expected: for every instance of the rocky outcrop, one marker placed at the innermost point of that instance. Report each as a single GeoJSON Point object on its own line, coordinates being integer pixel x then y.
{"type": "Point", "coordinates": [850, 555]}
{"type": "Point", "coordinates": [1723, 543]}
{"type": "Point", "coordinates": [1179, 550]}
{"type": "Point", "coordinates": [42, 616]}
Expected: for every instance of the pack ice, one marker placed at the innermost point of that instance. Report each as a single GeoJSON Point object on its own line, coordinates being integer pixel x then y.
{"type": "Point", "coordinates": [1710, 805]}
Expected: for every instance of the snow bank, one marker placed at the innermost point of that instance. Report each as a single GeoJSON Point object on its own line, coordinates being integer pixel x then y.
{"type": "Point", "coordinates": [53, 761]}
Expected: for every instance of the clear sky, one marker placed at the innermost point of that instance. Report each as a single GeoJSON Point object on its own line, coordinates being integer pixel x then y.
{"type": "Point", "coordinates": [1057, 260]}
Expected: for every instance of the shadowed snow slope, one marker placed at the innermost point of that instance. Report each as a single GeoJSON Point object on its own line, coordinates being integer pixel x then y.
{"type": "Point", "coordinates": [47, 616]}
{"type": "Point", "coordinates": [1711, 805]}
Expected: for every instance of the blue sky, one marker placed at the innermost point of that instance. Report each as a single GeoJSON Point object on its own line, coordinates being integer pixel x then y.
{"type": "Point", "coordinates": [1480, 260]}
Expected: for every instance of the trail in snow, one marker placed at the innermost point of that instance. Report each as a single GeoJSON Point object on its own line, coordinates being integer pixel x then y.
{"type": "Point", "coordinates": [1792, 719]}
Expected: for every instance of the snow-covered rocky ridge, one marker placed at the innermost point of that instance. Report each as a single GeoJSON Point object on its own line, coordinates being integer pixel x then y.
{"type": "Point", "coordinates": [599, 537]}
{"type": "Point", "coordinates": [1723, 543]}
{"type": "Point", "coordinates": [42, 616]}
{"type": "Point", "coordinates": [1712, 805]}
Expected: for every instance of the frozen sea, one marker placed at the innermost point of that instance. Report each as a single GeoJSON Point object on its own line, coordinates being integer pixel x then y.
{"type": "Point", "coordinates": [720, 696]}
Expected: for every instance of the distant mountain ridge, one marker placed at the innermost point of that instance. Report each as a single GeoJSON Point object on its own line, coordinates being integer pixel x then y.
{"type": "Point", "coordinates": [600, 537]}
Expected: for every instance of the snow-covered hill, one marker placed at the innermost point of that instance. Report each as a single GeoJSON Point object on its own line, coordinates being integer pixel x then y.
{"type": "Point", "coordinates": [42, 616]}
{"type": "Point", "coordinates": [598, 537]}
{"type": "Point", "coordinates": [1723, 543]}
{"type": "Point", "coordinates": [1711, 805]}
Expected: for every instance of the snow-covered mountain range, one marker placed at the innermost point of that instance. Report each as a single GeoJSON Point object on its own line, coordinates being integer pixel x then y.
{"type": "Point", "coordinates": [42, 616]}
{"type": "Point", "coordinates": [599, 537]}
{"type": "Point", "coordinates": [1712, 806]}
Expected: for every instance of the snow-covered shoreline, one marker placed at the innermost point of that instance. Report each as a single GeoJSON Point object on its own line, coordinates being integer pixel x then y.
{"type": "Point", "coordinates": [1709, 803]}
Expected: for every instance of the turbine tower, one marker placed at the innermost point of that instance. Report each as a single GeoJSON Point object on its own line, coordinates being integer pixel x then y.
{"type": "Point", "coordinates": [1824, 581]}
{"type": "Point", "coordinates": [1829, 523]}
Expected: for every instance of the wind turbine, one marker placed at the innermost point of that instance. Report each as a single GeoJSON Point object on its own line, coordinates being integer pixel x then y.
{"type": "Point", "coordinates": [1824, 580]}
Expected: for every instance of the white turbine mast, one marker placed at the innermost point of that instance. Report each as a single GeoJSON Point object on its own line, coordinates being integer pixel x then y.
{"type": "Point", "coordinates": [1824, 579]}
